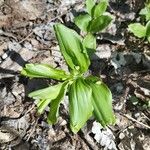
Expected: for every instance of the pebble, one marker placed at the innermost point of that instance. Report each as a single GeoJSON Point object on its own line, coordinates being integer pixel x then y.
{"type": "Point", "coordinates": [4, 56]}
{"type": "Point", "coordinates": [121, 136]}
{"type": "Point", "coordinates": [137, 115]}
{"type": "Point", "coordinates": [38, 31]}
{"type": "Point", "coordinates": [34, 42]}
{"type": "Point", "coordinates": [49, 1]}
{"type": "Point", "coordinates": [28, 45]}
{"type": "Point", "coordinates": [103, 51]}
{"type": "Point", "coordinates": [56, 54]}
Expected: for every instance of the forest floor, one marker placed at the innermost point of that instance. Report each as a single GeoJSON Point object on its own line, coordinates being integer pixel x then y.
{"type": "Point", "coordinates": [121, 60]}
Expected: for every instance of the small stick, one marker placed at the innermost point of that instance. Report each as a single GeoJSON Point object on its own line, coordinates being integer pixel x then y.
{"type": "Point", "coordinates": [30, 109]}
{"type": "Point", "coordinates": [36, 122]}
{"type": "Point", "coordinates": [145, 116]}
{"type": "Point", "coordinates": [134, 120]}
{"type": "Point", "coordinates": [26, 37]}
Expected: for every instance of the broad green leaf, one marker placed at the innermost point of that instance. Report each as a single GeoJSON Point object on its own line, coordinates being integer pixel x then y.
{"type": "Point", "coordinates": [43, 71]}
{"type": "Point", "coordinates": [148, 29]}
{"type": "Point", "coordinates": [42, 105]}
{"type": "Point", "coordinates": [90, 43]}
{"type": "Point", "coordinates": [46, 95]}
{"type": "Point", "coordinates": [99, 9]}
{"type": "Point", "coordinates": [82, 21]}
{"type": "Point", "coordinates": [137, 29]}
{"type": "Point", "coordinates": [80, 105]}
{"type": "Point", "coordinates": [89, 6]}
{"type": "Point", "coordinates": [102, 102]}
{"type": "Point", "coordinates": [99, 24]}
{"type": "Point", "coordinates": [148, 39]}
{"type": "Point", "coordinates": [93, 79]}
{"type": "Point", "coordinates": [72, 49]}
{"type": "Point", "coordinates": [145, 12]}
{"type": "Point", "coordinates": [54, 105]}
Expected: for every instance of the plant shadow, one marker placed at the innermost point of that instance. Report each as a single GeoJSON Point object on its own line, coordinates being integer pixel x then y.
{"type": "Point", "coordinates": [9, 77]}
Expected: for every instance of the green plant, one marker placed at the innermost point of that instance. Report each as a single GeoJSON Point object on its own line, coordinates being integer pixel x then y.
{"type": "Point", "coordinates": [87, 95]}
{"type": "Point", "coordinates": [141, 104]}
{"type": "Point", "coordinates": [95, 20]}
{"type": "Point", "coordinates": [139, 30]}
{"type": "Point", "coordinates": [146, 11]}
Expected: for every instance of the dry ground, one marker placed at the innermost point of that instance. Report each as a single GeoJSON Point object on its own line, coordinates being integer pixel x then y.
{"type": "Point", "coordinates": [26, 35]}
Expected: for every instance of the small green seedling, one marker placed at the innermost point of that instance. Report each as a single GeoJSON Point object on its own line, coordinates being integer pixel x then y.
{"type": "Point", "coordinates": [139, 30]}
{"type": "Point", "coordinates": [142, 104]}
{"type": "Point", "coordinates": [146, 11]}
{"type": "Point", "coordinates": [95, 20]}
{"type": "Point", "coordinates": [87, 95]}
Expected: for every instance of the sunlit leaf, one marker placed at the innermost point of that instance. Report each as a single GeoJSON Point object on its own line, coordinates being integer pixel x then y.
{"type": "Point", "coordinates": [82, 21]}
{"type": "Point", "coordinates": [46, 95]}
{"type": "Point", "coordinates": [72, 49]}
{"type": "Point", "coordinates": [148, 39]}
{"type": "Point", "coordinates": [89, 6]}
{"type": "Point", "coordinates": [102, 102]}
{"type": "Point", "coordinates": [43, 71]}
{"type": "Point", "coordinates": [80, 105]}
{"type": "Point", "coordinates": [148, 29]}
{"type": "Point", "coordinates": [137, 29]}
{"type": "Point", "coordinates": [54, 105]}
{"type": "Point", "coordinates": [145, 12]}
{"type": "Point", "coordinates": [100, 8]}
{"type": "Point", "coordinates": [99, 24]}
{"type": "Point", "coordinates": [90, 43]}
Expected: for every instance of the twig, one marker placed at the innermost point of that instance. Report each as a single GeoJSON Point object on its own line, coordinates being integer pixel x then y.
{"type": "Point", "coordinates": [33, 106]}
{"type": "Point", "coordinates": [36, 122]}
{"type": "Point", "coordinates": [134, 120]}
{"type": "Point", "coordinates": [146, 117]}
{"type": "Point", "coordinates": [57, 17]}
{"type": "Point", "coordinates": [26, 37]}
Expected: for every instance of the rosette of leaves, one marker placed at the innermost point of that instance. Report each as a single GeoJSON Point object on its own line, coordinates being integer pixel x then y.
{"type": "Point", "coordinates": [87, 95]}
{"type": "Point", "coordinates": [95, 20]}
